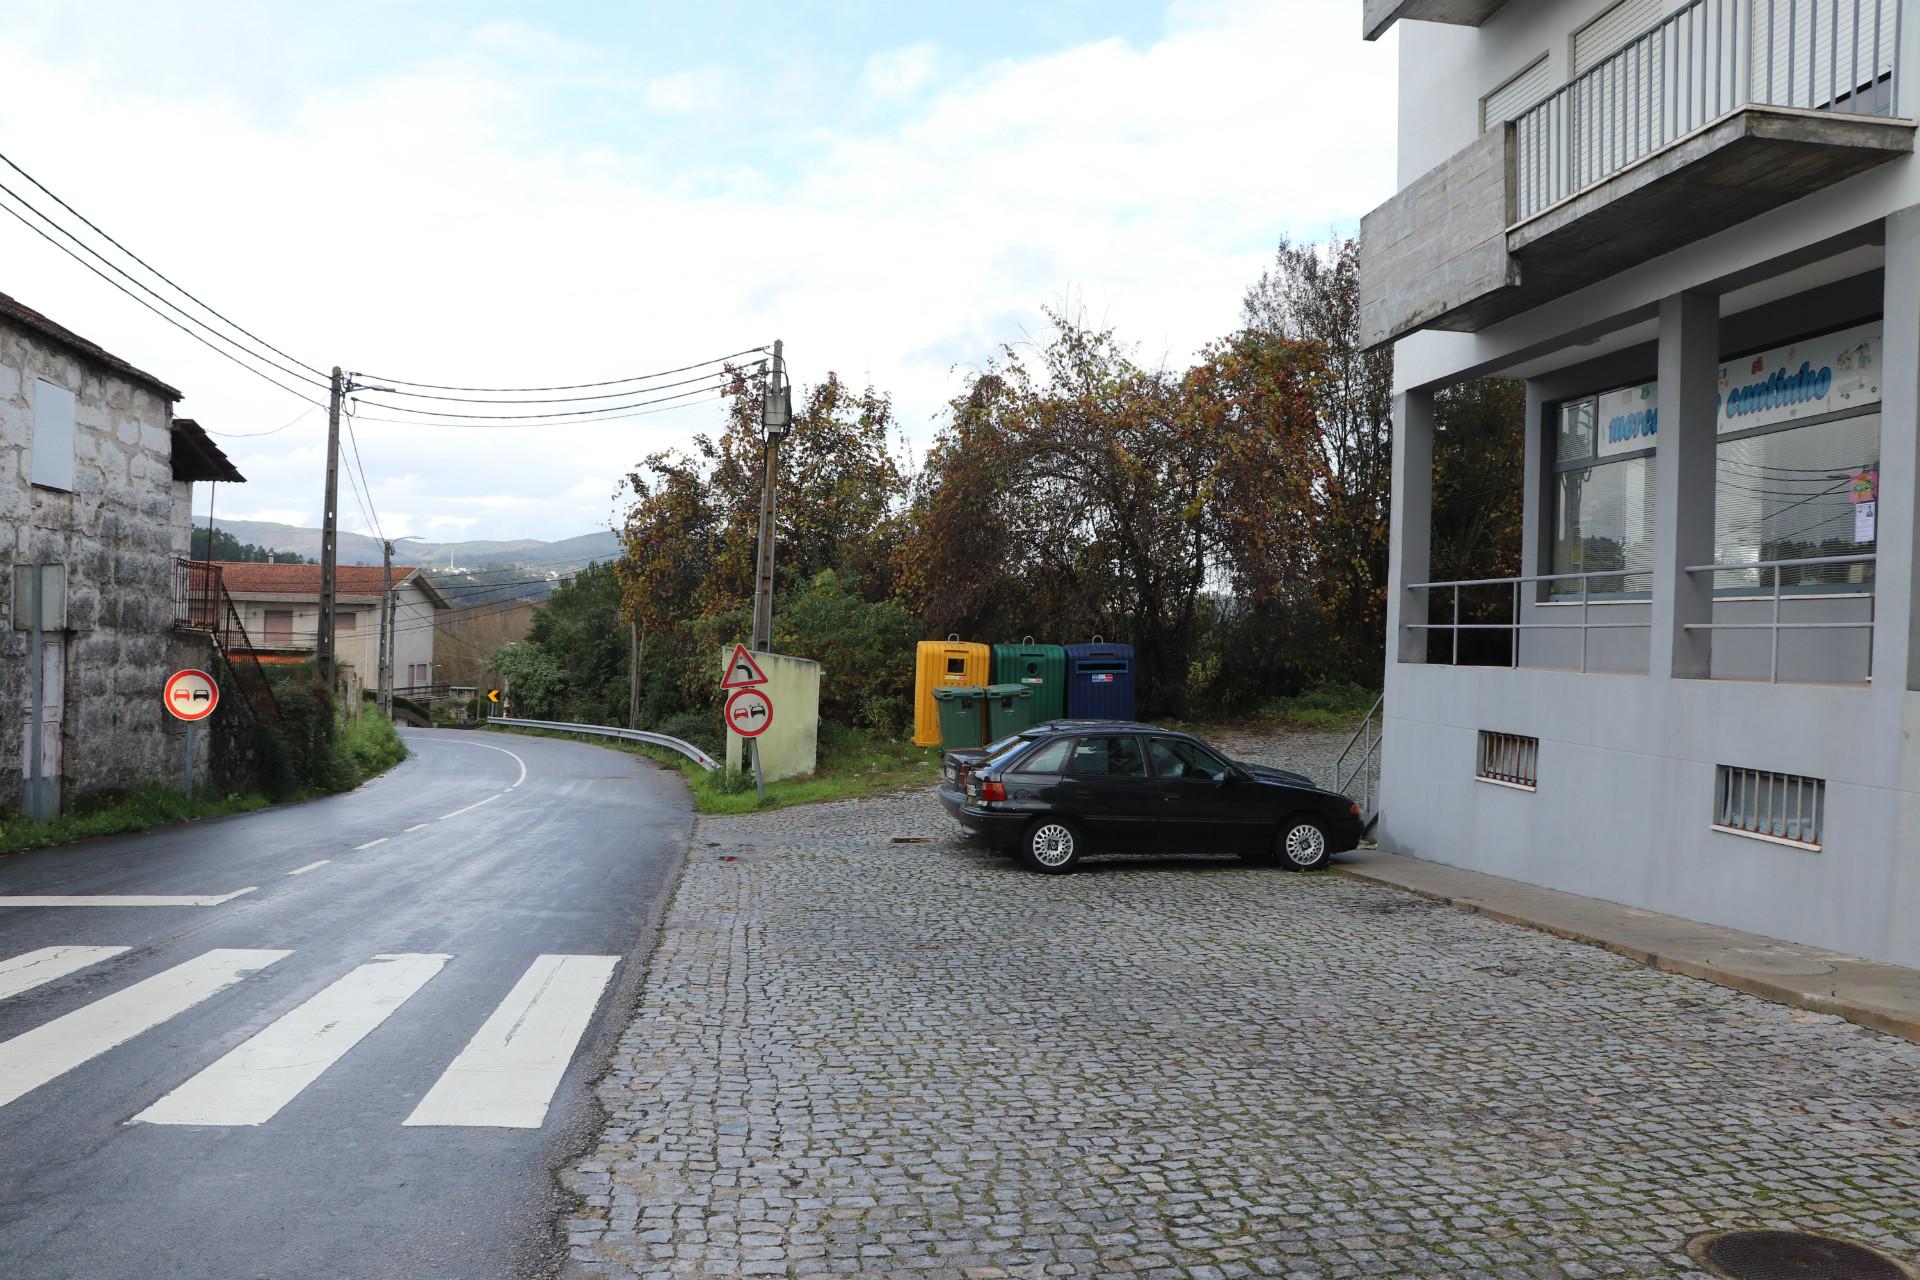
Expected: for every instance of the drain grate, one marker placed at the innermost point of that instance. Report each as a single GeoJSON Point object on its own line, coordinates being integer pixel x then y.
{"type": "Point", "coordinates": [1793, 1255]}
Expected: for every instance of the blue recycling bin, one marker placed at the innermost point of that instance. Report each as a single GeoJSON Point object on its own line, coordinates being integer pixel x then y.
{"type": "Point", "coordinates": [1099, 681]}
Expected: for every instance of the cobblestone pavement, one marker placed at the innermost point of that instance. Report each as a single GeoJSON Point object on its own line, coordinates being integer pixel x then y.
{"type": "Point", "coordinates": [1310, 754]}
{"type": "Point", "coordinates": [861, 1057]}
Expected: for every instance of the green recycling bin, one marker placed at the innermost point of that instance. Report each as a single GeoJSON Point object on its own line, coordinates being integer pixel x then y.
{"type": "Point", "coordinates": [963, 715]}
{"type": "Point", "coordinates": [1042, 668]}
{"type": "Point", "coordinates": [1010, 708]}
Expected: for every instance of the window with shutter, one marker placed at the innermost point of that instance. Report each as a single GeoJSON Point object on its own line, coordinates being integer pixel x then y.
{"type": "Point", "coordinates": [1612, 29]}
{"type": "Point", "coordinates": [52, 445]}
{"type": "Point", "coordinates": [1517, 94]}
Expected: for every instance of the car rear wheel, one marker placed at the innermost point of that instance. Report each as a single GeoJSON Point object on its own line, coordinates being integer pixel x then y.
{"type": "Point", "coordinates": [1302, 845]}
{"type": "Point", "coordinates": [1052, 847]}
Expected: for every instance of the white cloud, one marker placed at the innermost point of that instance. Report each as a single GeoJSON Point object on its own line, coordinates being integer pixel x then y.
{"type": "Point", "coordinates": [686, 91]}
{"type": "Point", "coordinates": [461, 243]}
{"type": "Point", "coordinates": [900, 73]}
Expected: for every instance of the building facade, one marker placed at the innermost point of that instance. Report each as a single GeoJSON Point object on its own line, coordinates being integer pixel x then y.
{"type": "Point", "coordinates": [279, 605]}
{"type": "Point", "coordinates": [96, 488]}
{"type": "Point", "coordinates": [1693, 229]}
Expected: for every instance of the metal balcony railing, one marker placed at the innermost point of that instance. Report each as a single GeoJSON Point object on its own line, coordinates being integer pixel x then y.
{"type": "Point", "coordinates": [1774, 625]}
{"type": "Point", "coordinates": [1515, 627]}
{"type": "Point", "coordinates": [1700, 64]}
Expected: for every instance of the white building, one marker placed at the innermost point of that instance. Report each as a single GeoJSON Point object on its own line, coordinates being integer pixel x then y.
{"type": "Point", "coordinates": [1694, 230]}
{"type": "Point", "coordinates": [279, 605]}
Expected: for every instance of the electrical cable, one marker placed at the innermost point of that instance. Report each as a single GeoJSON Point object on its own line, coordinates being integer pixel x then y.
{"type": "Point", "coordinates": [255, 435]}
{"type": "Point", "coordinates": [354, 441]}
{"type": "Point", "coordinates": [710, 397]}
{"type": "Point", "coordinates": [715, 386]}
{"type": "Point", "coordinates": [149, 266]}
{"type": "Point", "coordinates": [571, 386]}
{"type": "Point", "coordinates": [604, 395]}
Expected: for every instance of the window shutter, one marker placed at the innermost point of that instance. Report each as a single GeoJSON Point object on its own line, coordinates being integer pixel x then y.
{"type": "Point", "coordinates": [1516, 95]}
{"type": "Point", "coordinates": [1612, 29]}
{"type": "Point", "coordinates": [52, 443]}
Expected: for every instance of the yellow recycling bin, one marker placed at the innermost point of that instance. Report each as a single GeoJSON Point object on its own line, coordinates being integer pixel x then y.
{"type": "Point", "coordinates": [943, 664]}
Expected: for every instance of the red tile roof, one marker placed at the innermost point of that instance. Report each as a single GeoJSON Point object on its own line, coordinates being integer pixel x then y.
{"type": "Point", "coordinates": [304, 579]}
{"type": "Point", "coordinates": [27, 317]}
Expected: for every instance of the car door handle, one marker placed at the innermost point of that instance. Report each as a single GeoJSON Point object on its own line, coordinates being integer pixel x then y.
{"type": "Point", "coordinates": [1171, 799]}
{"type": "Point", "coordinates": [1080, 793]}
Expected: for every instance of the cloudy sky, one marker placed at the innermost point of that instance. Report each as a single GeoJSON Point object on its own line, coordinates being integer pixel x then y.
{"type": "Point", "coordinates": [499, 194]}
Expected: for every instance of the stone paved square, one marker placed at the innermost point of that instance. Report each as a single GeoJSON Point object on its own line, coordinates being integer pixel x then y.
{"type": "Point", "coordinates": [860, 1057]}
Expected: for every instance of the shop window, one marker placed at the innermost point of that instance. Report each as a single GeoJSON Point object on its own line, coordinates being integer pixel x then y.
{"type": "Point", "coordinates": [1798, 463]}
{"type": "Point", "coordinates": [1602, 493]}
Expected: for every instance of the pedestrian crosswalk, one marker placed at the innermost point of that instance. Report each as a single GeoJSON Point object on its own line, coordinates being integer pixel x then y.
{"type": "Point", "coordinates": [505, 1077]}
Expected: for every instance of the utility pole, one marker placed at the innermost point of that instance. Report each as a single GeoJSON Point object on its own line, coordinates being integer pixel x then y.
{"type": "Point", "coordinates": [386, 630]}
{"type": "Point", "coordinates": [329, 537]}
{"type": "Point", "coordinates": [633, 674]}
{"type": "Point", "coordinates": [776, 417]}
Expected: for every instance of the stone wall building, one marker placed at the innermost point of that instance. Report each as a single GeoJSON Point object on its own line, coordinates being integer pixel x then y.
{"type": "Point", "coordinates": [96, 478]}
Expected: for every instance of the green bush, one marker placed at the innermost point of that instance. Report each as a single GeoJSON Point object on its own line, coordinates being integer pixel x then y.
{"type": "Point", "coordinates": [1337, 705]}
{"type": "Point", "coordinates": [703, 731]}
{"type": "Point", "coordinates": [371, 746]}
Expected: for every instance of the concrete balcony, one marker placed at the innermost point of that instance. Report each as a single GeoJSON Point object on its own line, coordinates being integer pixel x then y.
{"type": "Point", "coordinates": [1689, 130]}
{"type": "Point", "coordinates": [1381, 14]}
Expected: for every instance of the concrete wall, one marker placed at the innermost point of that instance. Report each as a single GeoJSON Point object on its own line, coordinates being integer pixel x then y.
{"type": "Point", "coordinates": [115, 532]}
{"type": "Point", "coordinates": [788, 748]}
{"type": "Point", "coordinates": [1625, 799]}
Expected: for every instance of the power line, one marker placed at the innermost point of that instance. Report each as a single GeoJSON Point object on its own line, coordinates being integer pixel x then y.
{"type": "Point", "coordinates": [714, 381]}
{"type": "Point", "coordinates": [572, 386]}
{"type": "Point", "coordinates": [361, 467]}
{"type": "Point", "coordinates": [149, 266]}
{"type": "Point", "coordinates": [604, 395]}
{"type": "Point", "coordinates": [255, 435]}
{"type": "Point", "coordinates": [713, 397]}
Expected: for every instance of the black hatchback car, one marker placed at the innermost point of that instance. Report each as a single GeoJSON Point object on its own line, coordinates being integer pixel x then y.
{"type": "Point", "coordinates": [1066, 788]}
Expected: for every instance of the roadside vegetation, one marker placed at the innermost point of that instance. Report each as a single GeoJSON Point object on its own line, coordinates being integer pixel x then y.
{"type": "Point", "coordinates": [1228, 519]}
{"type": "Point", "coordinates": [309, 753]}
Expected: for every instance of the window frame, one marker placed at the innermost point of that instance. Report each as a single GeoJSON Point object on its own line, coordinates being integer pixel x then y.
{"type": "Point", "coordinates": [42, 472]}
{"type": "Point", "coordinates": [1556, 467]}
{"type": "Point", "coordinates": [1226, 765]}
{"type": "Point", "coordinates": [1073, 757]}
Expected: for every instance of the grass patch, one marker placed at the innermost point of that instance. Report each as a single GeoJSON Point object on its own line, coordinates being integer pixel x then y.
{"type": "Point", "coordinates": [367, 746]}
{"type": "Point", "coordinates": [1329, 707]}
{"type": "Point", "coordinates": [114, 815]}
{"type": "Point", "coordinates": [852, 763]}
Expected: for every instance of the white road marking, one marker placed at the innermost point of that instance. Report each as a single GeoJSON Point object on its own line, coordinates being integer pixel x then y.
{"type": "Point", "coordinates": [415, 827]}
{"type": "Point", "coordinates": [369, 844]}
{"type": "Point", "coordinates": [122, 899]}
{"type": "Point", "coordinates": [24, 973]}
{"type": "Point", "coordinates": [490, 747]}
{"type": "Point", "coordinates": [475, 805]}
{"type": "Point", "coordinates": [311, 866]}
{"type": "Point", "coordinates": [252, 1083]}
{"type": "Point", "coordinates": [506, 1076]}
{"type": "Point", "coordinates": [49, 1051]}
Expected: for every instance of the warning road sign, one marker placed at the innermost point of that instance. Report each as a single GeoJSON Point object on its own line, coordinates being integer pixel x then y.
{"type": "Point", "coordinates": [749, 712]}
{"type": "Point", "coordinates": [190, 695]}
{"type": "Point", "coordinates": [742, 671]}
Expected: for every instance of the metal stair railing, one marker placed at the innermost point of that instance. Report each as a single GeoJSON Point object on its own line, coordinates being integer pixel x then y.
{"type": "Point", "coordinates": [1363, 771]}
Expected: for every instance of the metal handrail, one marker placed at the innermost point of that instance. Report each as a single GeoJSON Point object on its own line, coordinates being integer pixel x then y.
{"type": "Point", "coordinates": [1697, 66]}
{"type": "Point", "coordinates": [1366, 768]}
{"type": "Point", "coordinates": [1516, 626]}
{"type": "Point", "coordinates": [686, 749]}
{"type": "Point", "coordinates": [1774, 625]}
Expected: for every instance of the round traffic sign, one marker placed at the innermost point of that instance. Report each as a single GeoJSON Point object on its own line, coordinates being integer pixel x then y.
{"type": "Point", "coordinates": [190, 695]}
{"type": "Point", "coordinates": [749, 712]}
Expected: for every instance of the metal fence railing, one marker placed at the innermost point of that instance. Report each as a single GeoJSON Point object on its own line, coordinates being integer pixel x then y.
{"type": "Point", "coordinates": [1699, 64]}
{"type": "Point", "coordinates": [686, 749]}
{"type": "Point", "coordinates": [1774, 625]}
{"type": "Point", "coordinates": [1514, 627]}
{"type": "Point", "coordinates": [1361, 773]}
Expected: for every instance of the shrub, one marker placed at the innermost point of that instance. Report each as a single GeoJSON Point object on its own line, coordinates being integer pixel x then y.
{"type": "Point", "coordinates": [702, 731]}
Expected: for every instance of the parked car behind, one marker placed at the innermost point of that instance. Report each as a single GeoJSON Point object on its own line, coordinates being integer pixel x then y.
{"type": "Point", "coordinates": [1067, 788]}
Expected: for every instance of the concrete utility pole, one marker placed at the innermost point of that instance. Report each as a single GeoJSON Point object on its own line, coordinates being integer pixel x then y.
{"type": "Point", "coordinates": [633, 674]}
{"type": "Point", "coordinates": [329, 537]}
{"type": "Point", "coordinates": [386, 630]}
{"type": "Point", "coordinates": [776, 417]}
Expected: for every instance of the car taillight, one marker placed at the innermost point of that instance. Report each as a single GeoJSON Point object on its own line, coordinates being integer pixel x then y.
{"type": "Point", "coordinates": [993, 791]}
{"type": "Point", "coordinates": [1354, 808]}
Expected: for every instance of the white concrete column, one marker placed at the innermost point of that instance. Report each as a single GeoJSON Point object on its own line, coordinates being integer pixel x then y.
{"type": "Point", "coordinates": [1683, 486]}
{"type": "Point", "coordinates": [1896, 626]}
{"type": "Point", "coordinates": [1409, 553]}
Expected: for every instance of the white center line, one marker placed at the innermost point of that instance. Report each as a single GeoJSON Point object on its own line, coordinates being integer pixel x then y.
{"type": "Point", "coordinates": [467, 808]}
{"type": "Point", "coordinates": [506, 1076]}
{"type": "Point", "coordinates": [122, 899]}
{"type": "Point", "coordinates": [252, 1083]}
{"type": "Point", "coordinates": [52, 1049]}
{"type": "Point", "coordinates": [369, 844]}
{"type": "Point", "coordinates": [311, 866]}
{"type": "Point", "coordinates": [415, 827]}
{"type": "Point", "coordinates": [24, 973]}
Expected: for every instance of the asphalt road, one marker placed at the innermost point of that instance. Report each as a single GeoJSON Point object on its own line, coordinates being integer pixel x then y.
{"type": "Point", "coordinates": [245, 1112]}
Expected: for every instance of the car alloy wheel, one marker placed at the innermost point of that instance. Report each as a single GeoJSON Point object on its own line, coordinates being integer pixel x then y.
{"type": "Point", "coordinates": [1304, 846]}
{"type": "Point", "coordinates": [1052, 846]}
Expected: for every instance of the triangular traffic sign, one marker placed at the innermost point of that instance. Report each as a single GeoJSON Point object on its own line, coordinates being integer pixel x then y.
{"type": "Point", "coordinates": [742, 671]}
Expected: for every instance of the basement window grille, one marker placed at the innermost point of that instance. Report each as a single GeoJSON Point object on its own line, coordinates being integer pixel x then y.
{"type": "Point", "coordinates": [1785, 807]}
{"type": "Point", "coordinates": [1509, 759]}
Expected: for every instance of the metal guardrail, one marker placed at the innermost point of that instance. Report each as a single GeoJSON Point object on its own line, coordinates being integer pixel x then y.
{"type": "Point", "coordinates": [686, 749]}
{"type": "Point", "coordinates": [1774, 624]}
{"type": "Point", "coordinates": [1702, 63]}
{"type": "Point", "coordinates": [1516, 626]}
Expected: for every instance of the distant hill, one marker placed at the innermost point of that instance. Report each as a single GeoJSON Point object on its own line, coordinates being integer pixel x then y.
{"type": "Point", "coordinates": [357, 548]}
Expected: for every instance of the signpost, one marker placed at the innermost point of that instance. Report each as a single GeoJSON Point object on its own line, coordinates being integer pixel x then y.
{"type": "Point", "coordinates": [749, 710]}
{"type": "Point", "coordinates": [190, 696]}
